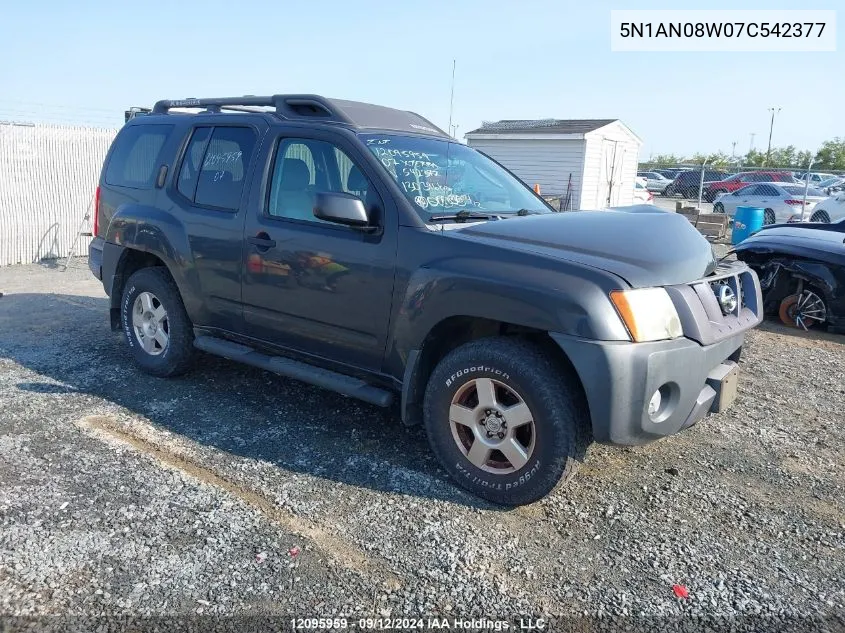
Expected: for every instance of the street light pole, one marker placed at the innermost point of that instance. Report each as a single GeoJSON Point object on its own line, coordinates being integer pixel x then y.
{"type": "Point", "coordinates": [771, 127]}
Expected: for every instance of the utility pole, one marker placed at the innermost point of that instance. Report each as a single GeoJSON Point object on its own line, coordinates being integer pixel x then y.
{"type": "Point", "coordinates": [751, 145]}
{"type": "Point", "coordinates": [771, 127]}
{"type": "Point", "coordinates": [452, 95]}
{"type": "Point", "coordinates": [733, 151]}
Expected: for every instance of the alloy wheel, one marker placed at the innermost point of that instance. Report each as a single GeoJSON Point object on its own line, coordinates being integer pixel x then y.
{"type": "Point", "coordinates": [492, 426]}
{"type": "Point", "coordinates": [150, 323]}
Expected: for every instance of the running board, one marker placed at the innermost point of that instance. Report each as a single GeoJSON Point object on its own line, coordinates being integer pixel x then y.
{"type": "Point", "coordinates": [290, 368]}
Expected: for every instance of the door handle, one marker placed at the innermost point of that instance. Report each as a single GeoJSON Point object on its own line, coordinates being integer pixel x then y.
{"type": "Point", "coordinates": [262, 241]}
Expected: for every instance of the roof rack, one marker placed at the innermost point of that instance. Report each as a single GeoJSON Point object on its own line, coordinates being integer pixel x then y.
{"type": "Point", "coordinates": [134, 111]}
{"type": "Point", "coordinates": [287, 106]}
{"type": "Point", "coordinates": [359, 115]}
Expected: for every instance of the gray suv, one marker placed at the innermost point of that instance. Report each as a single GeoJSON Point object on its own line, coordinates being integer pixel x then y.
{"type": "Point", "coordinates": [361, 249]}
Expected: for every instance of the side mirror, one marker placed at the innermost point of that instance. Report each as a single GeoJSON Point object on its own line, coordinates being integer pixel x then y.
{"type": "Point", "coordinates": [340, 208]}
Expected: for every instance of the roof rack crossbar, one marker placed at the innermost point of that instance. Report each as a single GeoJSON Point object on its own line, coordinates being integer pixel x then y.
{"type": "Point", "coordinates": [286, 106]}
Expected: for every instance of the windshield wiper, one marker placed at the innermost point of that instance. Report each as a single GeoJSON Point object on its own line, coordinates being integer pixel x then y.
{"type": "Point", "coordinates": [463, 216]}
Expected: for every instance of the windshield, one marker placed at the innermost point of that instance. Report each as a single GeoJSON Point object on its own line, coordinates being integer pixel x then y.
{"type": "Point", "coordinates": [442, 177]}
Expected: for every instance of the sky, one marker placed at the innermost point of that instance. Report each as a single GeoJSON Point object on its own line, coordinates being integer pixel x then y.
{"type": "Point", "coordinates": [85, 62]}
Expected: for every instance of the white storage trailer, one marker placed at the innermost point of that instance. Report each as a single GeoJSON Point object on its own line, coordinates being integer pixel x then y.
{"type": "Point", "coordinates": [595, 160]}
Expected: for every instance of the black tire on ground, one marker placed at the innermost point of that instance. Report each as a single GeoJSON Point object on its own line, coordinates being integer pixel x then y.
{"type": "Point", "coordinates": [554, 397]}
{"type": "Point", "coordinates": [820, 216]}
{"type": "Point", "coordinates": [712, 195]}
{"type": "Point", "coordinates": [177, 355]}
{"type": "Point", "coordinates": [768, 217]}
{"type": "Point", "coordinates": [718, 208]}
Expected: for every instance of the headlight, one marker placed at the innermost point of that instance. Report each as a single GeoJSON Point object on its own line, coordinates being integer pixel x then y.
{"type": "Point", "coordinates": [648, 313]}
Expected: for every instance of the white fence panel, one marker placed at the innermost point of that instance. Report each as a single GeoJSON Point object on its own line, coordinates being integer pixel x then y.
{"type": "Point", "coordinates": [48, 175]}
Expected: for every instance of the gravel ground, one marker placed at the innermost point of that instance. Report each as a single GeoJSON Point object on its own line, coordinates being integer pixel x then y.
{"type": "Point", "coordinates": [232, 493]}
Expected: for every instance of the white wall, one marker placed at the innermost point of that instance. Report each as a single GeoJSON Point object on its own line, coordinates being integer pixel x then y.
{"type": "Point", "coordinates": [610, 167]}
{"type": "Point", "coordinates": [48, 175]}
{"type": "Point", "coordinates": [547, 162]}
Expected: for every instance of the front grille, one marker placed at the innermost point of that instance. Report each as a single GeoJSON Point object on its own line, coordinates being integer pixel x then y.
{"type": "Point", "coordinates": [707, 319]}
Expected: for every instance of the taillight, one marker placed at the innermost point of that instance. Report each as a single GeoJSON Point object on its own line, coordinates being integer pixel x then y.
{"type": "Point", "coordinates": [96, 224]}
{"type": "Point", "coordinates": [794, 202]}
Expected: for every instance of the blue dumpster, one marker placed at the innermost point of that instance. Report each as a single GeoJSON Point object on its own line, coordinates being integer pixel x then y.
{"type": "Point", "coordinates": [747, 221]}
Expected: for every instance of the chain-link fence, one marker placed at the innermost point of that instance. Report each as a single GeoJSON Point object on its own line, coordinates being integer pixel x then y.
{"type": "Point", "coordinates": [783, 192]}
{"type": "Point", "coordinates": [49, 177]}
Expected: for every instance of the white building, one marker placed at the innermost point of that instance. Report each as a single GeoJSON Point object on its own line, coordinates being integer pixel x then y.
{"type": "Point", "coordinates": [597, 156]}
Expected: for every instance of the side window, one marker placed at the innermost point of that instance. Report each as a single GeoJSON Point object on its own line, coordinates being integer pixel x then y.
{"type": "Point", "coordinates": [753, 190]}
{"type": "Point", "coordinates": [189, 174]}
{"type": "Point", "coordinates": [220, 182]}
{"type": "Point", "coordinates": [303, 167]}
{"type": "Point", "coordinates": [768, 190]}
{"type": "Point", "coordinates": [136, 156]}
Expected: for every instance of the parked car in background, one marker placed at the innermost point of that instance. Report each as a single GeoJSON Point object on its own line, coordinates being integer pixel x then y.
{"type": "Point", "coordinates": [815, 177]}
{"type": "Point", "coordinates": [641, 180]}
{"type": "Point", "coordinates": [802, 272]}
{"type": "Point", "coordinates": [832, 185]}
{"type": "Point", "coordinates": [780, 200]}
{"type": "Point", "coordinates": [655, 181]}
{"type": "Point", "coordinates": [738, 181]}
{"type": "Point", "coordinates": [672, 172]}
{"type": "Point", "coordinates": [642, 195]}
{"type": "Point", "coordinates": [830, 209]}
{"type": "Point", "coordinates": [686, 183]}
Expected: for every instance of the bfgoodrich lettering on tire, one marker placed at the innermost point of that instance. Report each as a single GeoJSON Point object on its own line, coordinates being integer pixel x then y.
{"type": "Point", "coordinates": [157, 329]}
{"type": "Point", "coordinates": [506, 420]}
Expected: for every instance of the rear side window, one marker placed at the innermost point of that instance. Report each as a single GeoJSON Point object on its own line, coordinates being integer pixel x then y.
{"type": "Point", "coordinates": [136, 156]}
{"type": "Point", "coordinates": [189, 174]}
{"type": "Point", "coordinates": [213, 172]}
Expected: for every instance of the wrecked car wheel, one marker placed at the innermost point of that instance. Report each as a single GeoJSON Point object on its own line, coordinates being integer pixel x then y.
{"type": "Point", "coordinates": [506, 420]}
{"type": "Point", "coordinates": [803, 310]}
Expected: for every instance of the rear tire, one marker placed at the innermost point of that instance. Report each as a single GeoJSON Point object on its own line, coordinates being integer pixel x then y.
{"type": "Point", "coordinates": [820, 216]}
{"type": "Point", "coordinates": [718, 208]}
{"type": "Point", "coordinates": [526, 384]}
{"type": "Point", "coordinates": [157, 328]}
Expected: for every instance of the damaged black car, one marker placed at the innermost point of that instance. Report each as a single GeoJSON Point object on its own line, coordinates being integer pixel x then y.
{"type": "Point", "coordinates": [801, 268]}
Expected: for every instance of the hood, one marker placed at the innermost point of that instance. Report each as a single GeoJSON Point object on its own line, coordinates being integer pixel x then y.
{"type": "Point", "coordinates": [645, 249]}
{"type": "Point", "coordinates": [824, 242]}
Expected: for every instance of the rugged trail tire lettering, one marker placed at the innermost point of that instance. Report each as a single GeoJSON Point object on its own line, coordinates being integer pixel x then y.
{"type": "Point", "coordinates": [178, 356]}
{"type": "Point", "coordinates": [552, 393]}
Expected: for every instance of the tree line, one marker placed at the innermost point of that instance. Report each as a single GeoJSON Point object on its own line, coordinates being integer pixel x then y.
{"type": "Point", "coordinates": [829, 157]}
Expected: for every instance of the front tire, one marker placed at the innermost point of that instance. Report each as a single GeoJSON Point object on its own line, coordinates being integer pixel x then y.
{"type": "Point", "coordinates": [506, 420]}
{"type": "Point", "coordinates": [820, 216]}
{"type": "Point", "coordinates": [156, 327]}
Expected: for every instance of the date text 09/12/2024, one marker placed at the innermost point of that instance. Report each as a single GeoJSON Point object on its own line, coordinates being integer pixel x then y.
{"type": "Point", "coordinates": [420, 624]}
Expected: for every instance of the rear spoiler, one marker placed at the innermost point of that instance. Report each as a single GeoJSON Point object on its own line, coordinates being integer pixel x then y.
{"type": "Point", "coordinates": [134, 111]}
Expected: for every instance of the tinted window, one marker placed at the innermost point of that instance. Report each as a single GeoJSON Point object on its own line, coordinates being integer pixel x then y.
{"type": "Point", "coordinates": [751, 190]}
{"type": "Point", "coordinates": [189, 174]}
{"type": "Point", "coordinates": [302, 167]}
{"type": "Point", "coordinates": [768, 190]}
{"type": "Point", "coordinates": [136, 156]}
{"type": "Point", "coordinates": [224, 167]}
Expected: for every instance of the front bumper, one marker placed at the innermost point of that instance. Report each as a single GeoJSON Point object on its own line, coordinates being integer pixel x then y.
{"type": "Point", "coordinates": [619, 379]}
